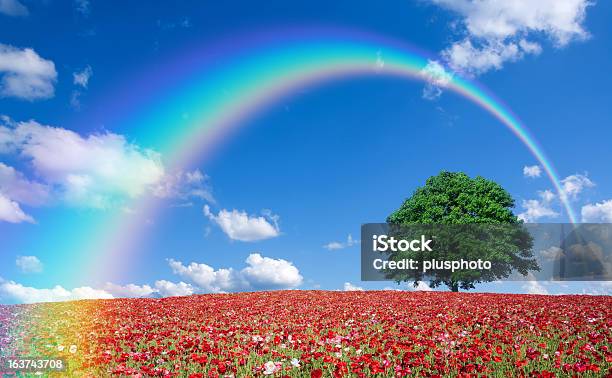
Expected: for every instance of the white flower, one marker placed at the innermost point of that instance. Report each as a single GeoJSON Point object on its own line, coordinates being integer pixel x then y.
{"type": "Point", "coordinates": [295, 362]}
{"type": "Point", "coordinates": [270, 368]}
{"type": "Point", "coordinates": [72, 349]}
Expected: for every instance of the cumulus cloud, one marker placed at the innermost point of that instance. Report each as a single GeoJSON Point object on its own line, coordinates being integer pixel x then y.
{"type": "Point", "coordinates": [260, 273]}
{"type": "Point", "coordinates": [16, 292]}
{"type": "Point", "coordinates": [129, 290]}
{"type": "Point", "coordinates": [573, 185]}
{"type": "Point", "coordinates": [600, 212]}
{"type": "Point", "coordinates": [498, 31]}
{"type": "Point", "coordinates": [238, 225]}
{"type": "Point", "coordinates": [29, 264]}
{"type": "Point", "coordinates": [268, 273]}
{"type": "Point", "coordinates": [11, 291]}
{"type": "Point", "coordinates": [90, 171]}
{"type": "Point", "coordinates": [332, 246]}
{"type": "Point", "coordinates": [25, 75]}
{"type": "Point", "coordinates": [172, 289]}
{"type": "Point", "coordinates": [14, 185]}
{"type": "Point", "coordinates": [11, 212]}
{"type": "Point", "coordinates": [184, 185]}
{"type": "Point", "coordinates": [467, 58]}
{"type": "Point", "coordinates": [207, 278]}
{"type": "Point", "coordinates": [436, 78]}
{"type": "Point", "coordinates": [420, 286]}
{"type": "Point", "coordinates": [532, 171]}
{"type": "Point", "coordinates": [536, 209]}
{"type": "Point", "coordinates": [350, 287]}
{"type": "Point", "coordinates": [99, 170]}
{"type": "Point", "coordinates": [13, 8]}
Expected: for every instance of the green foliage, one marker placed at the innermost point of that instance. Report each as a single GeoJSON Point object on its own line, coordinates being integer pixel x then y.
{"type": "Point", "coordinates": [454, 199]}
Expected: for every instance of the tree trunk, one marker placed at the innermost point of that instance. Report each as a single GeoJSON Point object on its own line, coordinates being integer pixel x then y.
{"type": "Point", "coordinates": [455, 287]}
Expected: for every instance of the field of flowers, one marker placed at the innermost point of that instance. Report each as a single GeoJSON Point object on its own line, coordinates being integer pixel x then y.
{"type": "Point", "coordinates": [320, 334]}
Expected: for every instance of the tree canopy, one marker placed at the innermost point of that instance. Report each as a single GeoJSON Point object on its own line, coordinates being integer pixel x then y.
{"type": "Point", "coordinates": [452, 199]}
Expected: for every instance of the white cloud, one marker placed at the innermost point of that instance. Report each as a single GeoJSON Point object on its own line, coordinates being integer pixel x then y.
{"type": "Point", "coordinates": [597, 288]}
{"type": "Point", "coordinates": [96, 171]}
{"type": "Point", "coordinates": [129, 290]}
{"type": "Point", "coordinates": [466, 58]}
{"type": "Point", "coordinates": [238, 225]}
{"type": "Point", "coordinates": [13, 8]}
{"type": "Point", "coordinates": [24, 294]}
{"type": "Point", "coordinates": [532, 286]}
{"type": "Point", "coordinates": [29, 264]}
{"type": "Point", "coordinates": [160, 288]}
{"type": "Point", "coordinates": [207, 278]}
{"type": "Point", "coordinates": [420, 286]}
{"type": "Point", "coordinates": [15, 189]}
{"type": "Point", "coordinates": [497, 31]}
{"type": "Point", "coordinates": [547, 195]}
{"type": "Point", "coordinates": [172, 289]}
{"type": "Point", "coordinates": [25, 74]}
{"type": "Point", "coordinates": [350, 287]}
{"type": "Point", "coordinates": [11, 212]}
{"type": "Point", "coordinates": [81, 78]}
{"type": "Point", "coordinates": [184, 185]}
{"type": "Point", "coordinates": [261, 273]}
{"type": "Point", "coordinates": [537, 209]}
{"type": "Point", "coordinates": [530, 47]}
{"type": "Point", "coordinates": [436, 78]}
{"type": "Point", "coordinates": [265, 272]}
{"type": "Point", "coordinates": [532, 171]}
{"type": "Point", "coordinates": [332, 246]}
{"type": "Point", "coordinates": [600, 212]}
{"type": "Point", "coordinates": [16, 186]}
{"type": "Point", "coordinates": [573, 185]}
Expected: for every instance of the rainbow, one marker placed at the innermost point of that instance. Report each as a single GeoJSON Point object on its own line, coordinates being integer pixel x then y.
{"type": "Point", "coordinates": [200, 104]}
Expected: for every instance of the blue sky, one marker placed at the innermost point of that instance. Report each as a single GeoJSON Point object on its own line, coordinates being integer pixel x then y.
{"type": "Point", "coordinates": [311, 168]}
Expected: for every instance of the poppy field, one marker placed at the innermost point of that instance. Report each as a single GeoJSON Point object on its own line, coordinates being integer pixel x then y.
{"type": "Point", "coordinates": [319, 334]}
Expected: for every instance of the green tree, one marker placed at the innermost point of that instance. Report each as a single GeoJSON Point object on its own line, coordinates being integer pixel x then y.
{"type": "Point", "coordinates": [452, 203]}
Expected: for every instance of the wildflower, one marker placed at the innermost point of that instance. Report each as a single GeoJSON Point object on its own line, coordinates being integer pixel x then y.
{"type": "Point", "coordinates": [271, 367]}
